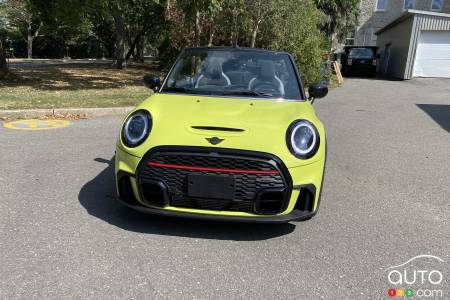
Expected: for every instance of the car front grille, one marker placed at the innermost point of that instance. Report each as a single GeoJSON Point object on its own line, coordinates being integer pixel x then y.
{"type": "Point", "coordinates": [252, 173]}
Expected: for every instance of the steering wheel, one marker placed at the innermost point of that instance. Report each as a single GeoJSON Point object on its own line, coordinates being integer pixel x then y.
{"type": "Point", "coordinates": [267, 87]}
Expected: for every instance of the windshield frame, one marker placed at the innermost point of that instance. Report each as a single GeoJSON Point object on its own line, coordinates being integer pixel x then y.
{"type": "Point", "coordinates": [243, 97]}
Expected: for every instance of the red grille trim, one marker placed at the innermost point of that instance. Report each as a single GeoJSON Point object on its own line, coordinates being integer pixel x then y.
{"type": "Point", "coordinates": [168, 166]}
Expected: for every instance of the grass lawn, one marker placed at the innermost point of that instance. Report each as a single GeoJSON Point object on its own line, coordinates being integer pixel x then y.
{"type": "Point", "coordinates": [73, 85]}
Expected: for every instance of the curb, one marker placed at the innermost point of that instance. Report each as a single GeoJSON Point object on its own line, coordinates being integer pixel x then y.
{"type": "Point", "coordinates": [90, 112]}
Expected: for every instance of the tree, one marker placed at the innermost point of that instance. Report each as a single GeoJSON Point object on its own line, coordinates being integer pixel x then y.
{"type": "Point", "coordinates": [116, 9]}
{"type": "Point", "coordinates": [23, 16]}
{"type": "Point", "coordinates": [3, 24]}
{"type": "Point", "coordinates": [235, 22]}
{"type": "Point", "coordinates": [197, 12]}
{"type": "Point", "coordinates": [103, 29]}
{"type": "Point", "coordinates": [129, 14]}
{"type": "Point", "coordinates": [144, 20]}
{"type": "Point", "coordinates": [3, 65]}
{"type": "Point", "coordinates": [339, 17]}
{"type": "Point", "coordinates": [259, 11]}
{"type": "Point", "coordinates": [122, 29]}
{"type": "Point", "coordinates": [295, 30]}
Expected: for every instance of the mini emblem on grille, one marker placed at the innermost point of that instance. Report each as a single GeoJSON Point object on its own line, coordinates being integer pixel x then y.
{"type": "Point", "coordinates": [214, 140]}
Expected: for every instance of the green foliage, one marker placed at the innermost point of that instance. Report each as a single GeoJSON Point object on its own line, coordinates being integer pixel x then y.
{"type": "Point", "coordinates": [124, 28]}
{"type": "Point", "coordinates": [295, 31]}
{"type": "Point", "coordinates": [339, 17]}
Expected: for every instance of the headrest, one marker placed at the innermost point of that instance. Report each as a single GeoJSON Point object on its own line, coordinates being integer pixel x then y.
{"type": "Point", "coordinates": [213, 69]}
{"type": "Point", "coordinates": [267, 71]}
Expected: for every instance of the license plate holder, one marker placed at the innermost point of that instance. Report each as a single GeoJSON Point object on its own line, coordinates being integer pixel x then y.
{"type": "Point", "coordinates": [210, 186]}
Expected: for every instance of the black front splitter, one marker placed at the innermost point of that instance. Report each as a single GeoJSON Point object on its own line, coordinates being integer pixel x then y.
{"type": "Point", "coordinates": [295, 215]}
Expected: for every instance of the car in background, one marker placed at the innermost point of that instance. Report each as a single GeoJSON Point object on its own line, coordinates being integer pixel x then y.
{"type": "Point", "coordinates": [359, 60]}
{"type": "Point", "coordinates": [230, 134]}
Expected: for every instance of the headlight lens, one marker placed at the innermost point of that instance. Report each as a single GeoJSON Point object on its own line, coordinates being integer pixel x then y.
{"type": "Point", "coordinates": [303, 139]}
{"type": "Point", "coordinates": [137, 128]}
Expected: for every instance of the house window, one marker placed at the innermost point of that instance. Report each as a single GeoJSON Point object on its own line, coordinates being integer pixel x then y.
{"type": "Point", "coordinates": [350, 40]}
{"type": "Point", "coordinates": [409, 4]}
{"type": "Point", "coordinates": [437, 5]}
{"type": "Point", "coordinates": [374, 36]}
{"type": "Point", "coordinates": [381, 5]}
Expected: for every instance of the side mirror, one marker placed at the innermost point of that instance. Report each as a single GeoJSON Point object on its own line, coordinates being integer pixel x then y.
{"type": "Point", "coordinates": [152, 82]}
{"type": "Point", "coordinates": [316, 91]}
{"type": "Point", "coordinates": [378, 56]}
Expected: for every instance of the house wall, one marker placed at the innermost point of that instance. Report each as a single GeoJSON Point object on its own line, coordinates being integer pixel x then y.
{"type": "Point", "coordinates": [403, 39]}
{"type": "Point", "coordinates": [423, 22]}
{"type": "Point", "coordinates": [370, 20]}
{"type": "Point", "coordinates": [399, 38]}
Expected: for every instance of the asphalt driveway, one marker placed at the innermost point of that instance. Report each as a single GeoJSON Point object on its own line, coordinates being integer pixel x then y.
{"type": "Point", "coordinates": [385, 200]}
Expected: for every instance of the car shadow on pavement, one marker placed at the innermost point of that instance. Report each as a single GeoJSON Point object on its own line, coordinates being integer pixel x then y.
{"type": "Point", "coordinates": [98, 197]}
{"type": "Point", "coordinates": [440, 113]}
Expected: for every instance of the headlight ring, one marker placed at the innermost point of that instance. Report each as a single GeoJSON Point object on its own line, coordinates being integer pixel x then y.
{"type": "Point", "coordinates": [303, 139]}
{"type": "Point", "coordinates": [136, 129]}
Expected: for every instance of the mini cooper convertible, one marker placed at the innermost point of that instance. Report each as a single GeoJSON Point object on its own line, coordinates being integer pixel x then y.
{"type": "Point", "coordinates": [229, 134]}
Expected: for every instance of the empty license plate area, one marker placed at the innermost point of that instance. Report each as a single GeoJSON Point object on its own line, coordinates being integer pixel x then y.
{"type": "Point", "coordinates": [210, 186]}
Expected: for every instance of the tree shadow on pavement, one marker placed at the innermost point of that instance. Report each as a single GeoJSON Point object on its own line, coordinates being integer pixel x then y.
{"type": "Point", "coordinates": [98, 197]}
{"type": "Point", "coordinates": [440, 113]}
{"type": "Point", "coordinates": [74, 77]}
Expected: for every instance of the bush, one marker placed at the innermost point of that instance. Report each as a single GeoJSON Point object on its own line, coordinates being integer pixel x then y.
{"type": "Point", "coordinates": [296, 31]}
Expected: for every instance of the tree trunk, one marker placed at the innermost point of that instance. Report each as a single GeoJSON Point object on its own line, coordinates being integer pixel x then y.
{"type": "Point", "coordinates": [168, 7]}
{"type": "Point", "coordinates": [232, 38]}
{"type": "Point", "coordinates": [30, 38]}
{"type": "Point", "coordinates": [119, 50]}
{"type": "Point", "coordinates": [3, 65]}
{"type": "Point", "coordinates": [254, 33]}
{"type": "Point", "coordinates": [140, 50]}
{"type": "Point", "coordinates": [198, 29]}
{"type": "Point", "coordinates": [211, 36]}
{"type": "Point", "coordinates": [133, 45]}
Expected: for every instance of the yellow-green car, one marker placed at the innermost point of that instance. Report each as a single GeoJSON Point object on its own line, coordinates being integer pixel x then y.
{"type": "Point", "coordinates": [228, 135]}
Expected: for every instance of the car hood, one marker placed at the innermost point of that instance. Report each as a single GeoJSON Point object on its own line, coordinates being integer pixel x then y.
{"type": "Point", "coordinates": [240, 123]}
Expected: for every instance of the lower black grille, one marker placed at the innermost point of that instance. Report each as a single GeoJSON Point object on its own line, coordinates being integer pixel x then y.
{"type": "Point", "coordinates": [252, 174]}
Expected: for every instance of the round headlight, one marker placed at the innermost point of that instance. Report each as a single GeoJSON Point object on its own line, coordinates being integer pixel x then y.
{"type": "Point", "coordinates": [137, 128]}
{"type": "Point", "coordinates": [302, 139]}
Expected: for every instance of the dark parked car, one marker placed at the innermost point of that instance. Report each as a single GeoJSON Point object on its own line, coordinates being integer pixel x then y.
{"type": "Point", "coordinates": [359, 60]}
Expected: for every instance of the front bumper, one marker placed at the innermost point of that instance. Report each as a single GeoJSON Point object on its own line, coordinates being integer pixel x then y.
{"type": "Point", "coordinates": [361, 68]}
{"type": "Point", "coordinates": [295, 215]}
{"type": "Point", "coordinates": [302, 200]}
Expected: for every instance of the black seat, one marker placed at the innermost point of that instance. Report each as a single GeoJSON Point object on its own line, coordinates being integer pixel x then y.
{"type": "Point", "coordinates": [212, 75]}
{"type": "Point", "coordinates": [239, 77]}
{"type": "Point", "coordinates": [267, 80]}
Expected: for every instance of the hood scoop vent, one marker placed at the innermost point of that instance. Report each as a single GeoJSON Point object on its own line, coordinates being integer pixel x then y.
{"type": "Point", "coordinates": [214, 128]}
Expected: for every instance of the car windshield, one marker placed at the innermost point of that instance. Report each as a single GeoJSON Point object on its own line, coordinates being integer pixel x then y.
{"type": "Point", "coordinates": [234, 72]}
{"type": "Point", "coordinates": [361, 53]}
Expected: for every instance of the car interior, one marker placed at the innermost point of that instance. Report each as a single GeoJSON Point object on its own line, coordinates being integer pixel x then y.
{"type": "Point", "coordinates": [267, 75]}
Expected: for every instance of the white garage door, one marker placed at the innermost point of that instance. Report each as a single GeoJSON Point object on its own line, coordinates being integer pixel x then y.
{"type": "Point", "coordinates": [433, 54]}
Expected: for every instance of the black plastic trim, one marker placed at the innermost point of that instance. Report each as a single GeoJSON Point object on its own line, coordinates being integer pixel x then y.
{"type": "Point", "coordinates": [311, 188]}
{"type": "Point", "coordinates": [214, 128]}
{"type": "Point", "coordinates": [321, 185]}
{"type": "Point", "coordinates": [122, 191]}
{"type": "Point", "coordinates": [295, 215]}
{"type": "Point", "coordinates": [323, 178]}
{"type": "Point", "coordinates": [163, 188]}
{"type": "Point", "coordinates": [195, 150]}
{"type": "Point", "coordinates": [268, 190]}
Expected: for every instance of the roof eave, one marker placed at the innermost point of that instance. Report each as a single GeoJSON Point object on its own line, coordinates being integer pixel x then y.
{"type": "Point", "coordinates": [408, 14]}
